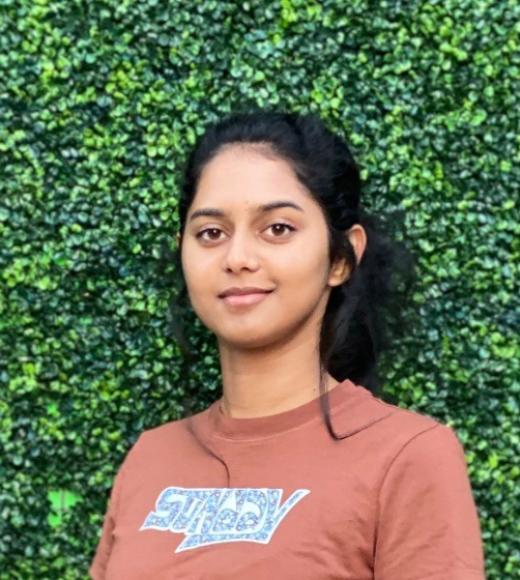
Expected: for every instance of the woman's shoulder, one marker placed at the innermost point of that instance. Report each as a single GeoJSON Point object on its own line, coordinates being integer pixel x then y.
{"type": "Point", "coordinates": [375, 422]}
{"type": "Point", "coordinates": [365, 410]}
{"type": "Point", "coordinates": [169, 436]}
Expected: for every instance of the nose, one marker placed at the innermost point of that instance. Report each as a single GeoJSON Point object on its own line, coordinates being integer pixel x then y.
{"type": "Point", "coordinates": [241, 253]}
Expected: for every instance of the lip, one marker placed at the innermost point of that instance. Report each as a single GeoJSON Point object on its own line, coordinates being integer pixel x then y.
{"type": "Point", "coordinates": [245, 299]}
{"type": "Point", "coordinates": [241, 291]}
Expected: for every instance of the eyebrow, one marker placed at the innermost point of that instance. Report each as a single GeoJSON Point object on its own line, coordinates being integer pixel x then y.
{"type": "Point", "coordinates": [214, 212]}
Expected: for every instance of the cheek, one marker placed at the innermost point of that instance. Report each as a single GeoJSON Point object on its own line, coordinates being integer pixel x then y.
{"type": "Point", "coordinates": [195, 266]}
{"type": "Point", "coordinates": [196, 281]}
{"type": "Point", "coordinates": [300, 281]}
{"type": "Point", "coordinates": [198, 284]}
{"type": "Point", "coordinates": [303, 268]}
{"type": "Point", "coordinates": [193, 276]}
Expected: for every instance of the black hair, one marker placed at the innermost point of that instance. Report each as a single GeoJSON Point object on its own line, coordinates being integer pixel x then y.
{"type": "Point", "coordinates": [354, 327]}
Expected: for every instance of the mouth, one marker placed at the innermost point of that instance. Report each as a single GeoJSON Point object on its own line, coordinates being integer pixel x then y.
{"type": "Point", "coordinates": [245, 299]}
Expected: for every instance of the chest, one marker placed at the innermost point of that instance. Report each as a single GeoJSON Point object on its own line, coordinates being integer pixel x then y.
{"type": "Point", "coordinates": [258, 519]}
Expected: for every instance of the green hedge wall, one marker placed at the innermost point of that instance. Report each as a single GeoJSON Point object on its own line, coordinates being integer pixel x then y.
{"type": "Point", "coordinates": [100, 101]}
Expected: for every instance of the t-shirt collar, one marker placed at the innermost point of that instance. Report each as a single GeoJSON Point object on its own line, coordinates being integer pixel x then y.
{"type": "Point", "coordinates": [221, 425]}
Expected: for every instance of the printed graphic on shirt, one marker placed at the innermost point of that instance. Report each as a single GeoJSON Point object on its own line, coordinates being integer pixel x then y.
{"type": "Point", "coordinates": [216, 515]}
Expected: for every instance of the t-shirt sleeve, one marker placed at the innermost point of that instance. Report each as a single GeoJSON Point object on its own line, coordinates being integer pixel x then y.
{"type": "Point", "coordinates": [98, 565]}
{"type": "Point", "coordinates": [428, 526]}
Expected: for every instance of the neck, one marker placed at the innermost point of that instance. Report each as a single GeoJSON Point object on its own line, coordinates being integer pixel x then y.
{"type": "Point", "coordinates": [257, 383]}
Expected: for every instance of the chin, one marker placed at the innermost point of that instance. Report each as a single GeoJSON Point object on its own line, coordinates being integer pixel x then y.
{"type": "Point", "coordinates": [245, 339]}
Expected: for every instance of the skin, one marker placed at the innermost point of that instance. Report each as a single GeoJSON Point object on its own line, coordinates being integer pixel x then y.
{"type": "Point", "coordinates": [268, 351]}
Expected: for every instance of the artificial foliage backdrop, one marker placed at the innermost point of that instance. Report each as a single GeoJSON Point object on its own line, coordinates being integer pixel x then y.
{"type": "Point", "coordinates": [100, 101]}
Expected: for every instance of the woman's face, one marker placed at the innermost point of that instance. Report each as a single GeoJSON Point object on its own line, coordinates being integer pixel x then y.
{"type": "Point", "coordinates": [284, 249]}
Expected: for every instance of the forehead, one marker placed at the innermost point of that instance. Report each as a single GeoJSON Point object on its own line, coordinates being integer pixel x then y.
{"type": "Point", "coordinates": [248, 174]}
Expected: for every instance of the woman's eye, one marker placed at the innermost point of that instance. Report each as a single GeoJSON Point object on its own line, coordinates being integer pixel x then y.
{"type": "Point", "coordinates": [283, 226]}
{"type": "Point", "coordinates": [202, 232]}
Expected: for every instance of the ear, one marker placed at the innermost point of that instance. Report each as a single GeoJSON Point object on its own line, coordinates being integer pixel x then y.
{"type": "Point", "coordinates": [340, 270]}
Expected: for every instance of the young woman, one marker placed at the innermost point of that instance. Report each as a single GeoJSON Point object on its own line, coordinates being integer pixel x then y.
{"type": "Point", "coordinates": [299, 471]}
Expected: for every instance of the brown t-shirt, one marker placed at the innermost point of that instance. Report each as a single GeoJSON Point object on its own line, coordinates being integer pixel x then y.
{"type": "Point", "coordinates": [277, 498]}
